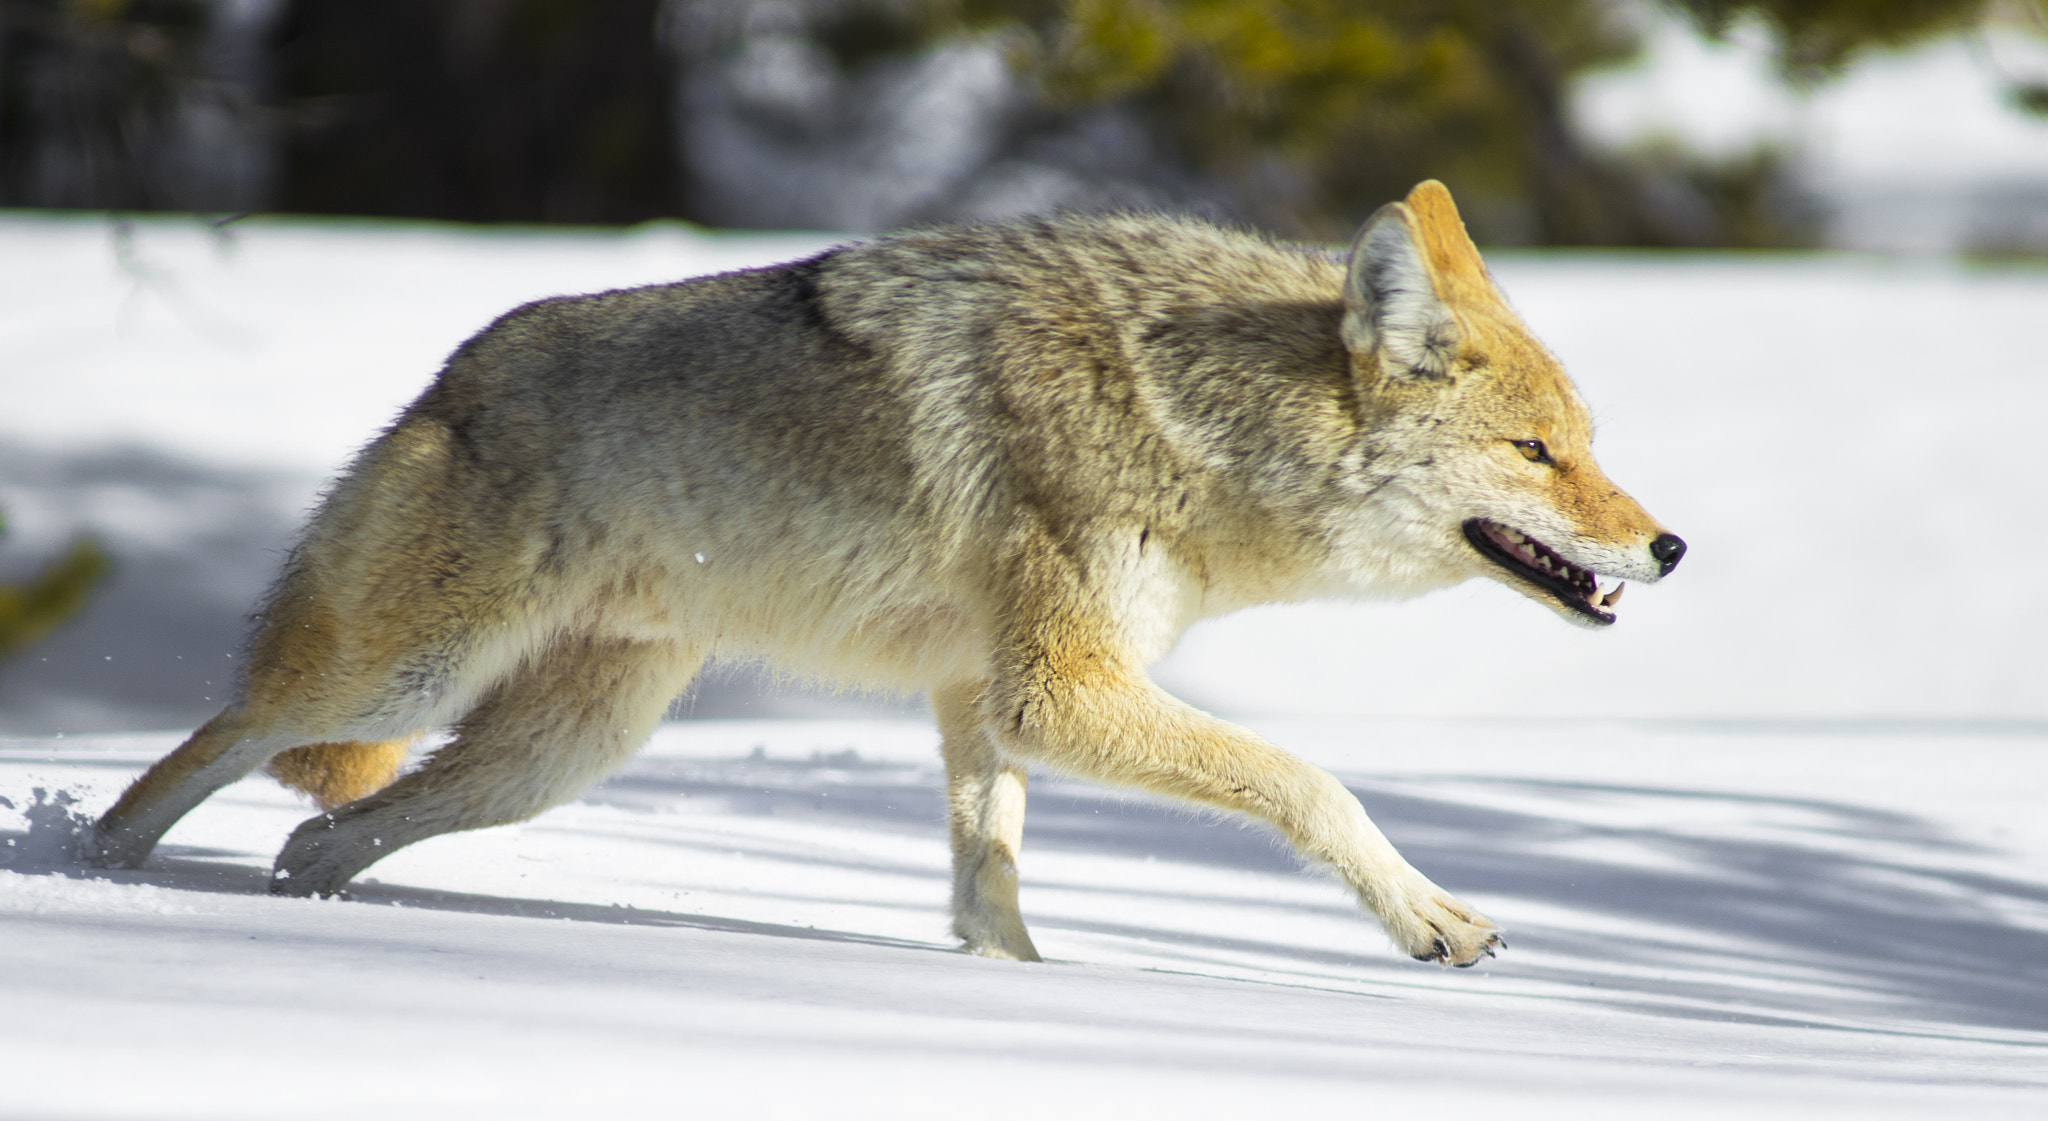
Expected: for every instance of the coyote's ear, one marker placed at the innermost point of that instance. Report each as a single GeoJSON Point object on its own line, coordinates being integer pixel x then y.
{"type": "Point", "coordinates": [1411, 258]}
{"type": "Point", "coordinates": [1390, 307]}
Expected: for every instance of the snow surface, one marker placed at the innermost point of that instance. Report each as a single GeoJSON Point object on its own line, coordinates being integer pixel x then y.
{"type": "Point", "coordinates": [750, 921]}
{"type": "Point", "coordinates": [1771, 845]}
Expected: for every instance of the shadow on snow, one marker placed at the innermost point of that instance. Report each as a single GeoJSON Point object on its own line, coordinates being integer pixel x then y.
{"type": "Point", "coordinates": [1705, 905]}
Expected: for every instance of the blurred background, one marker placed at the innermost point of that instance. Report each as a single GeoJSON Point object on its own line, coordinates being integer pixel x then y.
{"type": "Point", "coordinates": [1857, 123]}
{"type": "Point", "coordinates": [1795, 252]}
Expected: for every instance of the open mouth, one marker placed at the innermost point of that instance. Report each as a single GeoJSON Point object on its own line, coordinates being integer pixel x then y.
{"type": "Point", "coordinates": [1583, 590]}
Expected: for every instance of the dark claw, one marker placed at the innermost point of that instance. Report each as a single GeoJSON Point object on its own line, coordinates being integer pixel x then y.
{"type": "Point", "coordinates": [1489, 950]}
{"type": "Point", "coordinates": [1437, 951]}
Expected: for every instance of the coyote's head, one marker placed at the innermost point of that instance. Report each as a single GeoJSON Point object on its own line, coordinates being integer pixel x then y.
{"type": "Point", "coordinates": [1478, 427]}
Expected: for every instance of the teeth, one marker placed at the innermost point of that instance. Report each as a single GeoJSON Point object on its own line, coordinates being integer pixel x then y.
{"type": "Point", "coordinates": [1599, 590]}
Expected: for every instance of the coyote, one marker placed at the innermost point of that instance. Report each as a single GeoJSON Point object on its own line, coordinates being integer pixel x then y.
{"type": "Point", "coordinates": [1006, 465]}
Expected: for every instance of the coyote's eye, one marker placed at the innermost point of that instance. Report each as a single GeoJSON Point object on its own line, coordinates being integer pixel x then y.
{"type": "Point", "coordinates": [1533, 450]}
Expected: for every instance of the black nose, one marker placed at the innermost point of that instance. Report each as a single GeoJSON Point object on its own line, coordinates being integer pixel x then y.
{"type": "Point", "coordinates": [1668, 550]}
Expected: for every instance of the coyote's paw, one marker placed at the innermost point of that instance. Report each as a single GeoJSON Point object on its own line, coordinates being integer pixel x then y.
{"type": "Point", "coordinates": [1430, 925]}
{"type": "Point", "coordinates": [321, 857]}
{"type": "Point", "coordinates": [1003, 938]}
{"type": "Point", "coordinates": [1003, 951]}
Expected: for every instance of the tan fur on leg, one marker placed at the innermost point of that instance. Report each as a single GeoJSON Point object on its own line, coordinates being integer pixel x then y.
{"type": "Point", "coordinates": [1124, 730]}
{"type": "Point", "coordinates": [1068, 692]}
{"type": "Point", "coordinates": [221, 751]}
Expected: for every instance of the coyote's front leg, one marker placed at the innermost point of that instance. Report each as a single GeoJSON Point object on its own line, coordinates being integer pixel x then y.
{"type": "Point", "coordinates": [1067, 693]}
{"type": "Point", "coordinates": [1118, 727]}
{"type": "Point", "coordinates": [985, 802]}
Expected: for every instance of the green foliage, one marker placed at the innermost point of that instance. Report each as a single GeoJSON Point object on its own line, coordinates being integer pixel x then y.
{"type": "Point", "coordinates": [31, 610]}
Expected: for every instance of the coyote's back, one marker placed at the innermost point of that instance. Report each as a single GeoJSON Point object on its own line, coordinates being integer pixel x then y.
{"type": "Point", "coordinates": [1004, 465]}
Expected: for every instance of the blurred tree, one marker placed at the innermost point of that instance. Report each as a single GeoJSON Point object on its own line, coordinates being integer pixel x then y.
{"type": "Point", "coordinates": [31, 610]}
{"type": "Point", "coordinates": [2029, 94]}
{"type": "Point", "coordinates": [476, 110]}
{"type": "Point", "coordinates": [92, 93]}
{"type": "Point", "coordinates": [1295, 114]}
{"type": "Point", "coordinates": [1317, 110]}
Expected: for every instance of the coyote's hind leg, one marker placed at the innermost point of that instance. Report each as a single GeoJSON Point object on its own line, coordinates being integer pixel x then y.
{"type": "Point", "coordinates": [559, 723]}
{"type": "Point", "coordinates": [224, 749]}
{"type": "Point", "coordinates": [985, 801]}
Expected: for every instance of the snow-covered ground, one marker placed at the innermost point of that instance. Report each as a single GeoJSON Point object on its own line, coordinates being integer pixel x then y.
{"type": "Point", "coordinates": [749, 921]}
{"type": "Point", "coordinates": [1772, 844]}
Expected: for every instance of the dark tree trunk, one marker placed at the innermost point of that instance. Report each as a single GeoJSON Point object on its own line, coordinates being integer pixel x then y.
{"type": "Point", "coordinates": [477, 110]}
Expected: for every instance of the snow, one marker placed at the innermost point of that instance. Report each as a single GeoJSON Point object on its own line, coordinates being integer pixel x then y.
{"type": "Point", "coordinates": [282, 344]}
{"type": "Point", "coordinates": [750, 918]}
{"type": "Point", "coordinates": [1771, 845]}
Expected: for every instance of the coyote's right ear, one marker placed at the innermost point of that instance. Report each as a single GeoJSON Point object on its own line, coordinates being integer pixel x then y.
{"type": "Point", "coordinates": [1391, 308]}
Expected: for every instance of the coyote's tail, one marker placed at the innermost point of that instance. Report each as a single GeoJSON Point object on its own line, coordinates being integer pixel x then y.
{"type": "Point", "coordinates": [336, 774]}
